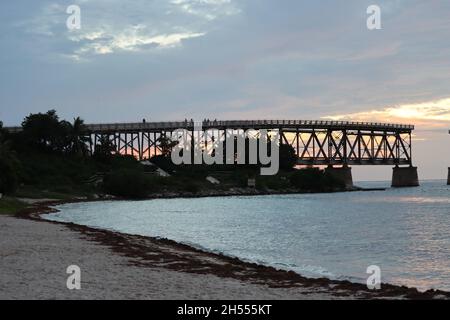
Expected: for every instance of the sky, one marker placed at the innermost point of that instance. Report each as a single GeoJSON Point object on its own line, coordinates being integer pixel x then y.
{"type": "Point", "coordinates": [234, 59]}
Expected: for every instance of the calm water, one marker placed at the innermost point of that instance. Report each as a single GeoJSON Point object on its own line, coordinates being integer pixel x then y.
{"type": "Point", "coordinates": [406, 232]}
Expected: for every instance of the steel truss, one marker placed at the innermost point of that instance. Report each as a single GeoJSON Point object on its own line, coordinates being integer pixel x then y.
{"type": "Point", "coordinates": [315, 142]}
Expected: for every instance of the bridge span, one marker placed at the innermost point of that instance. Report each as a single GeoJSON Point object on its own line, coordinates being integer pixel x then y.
{"type": "Point", "coordinates": [335, 144]}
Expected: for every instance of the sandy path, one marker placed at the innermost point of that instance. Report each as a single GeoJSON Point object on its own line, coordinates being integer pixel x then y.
{"type": "Point", "coordinates": [34, 256]}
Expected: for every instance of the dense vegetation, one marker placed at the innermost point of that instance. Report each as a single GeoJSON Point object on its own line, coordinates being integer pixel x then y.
{"type": "Point", "coordinates": [314, 179]}
{"type": "Point", "coordinates": [9, 165]}
{"type": "Point", "coordinates": [49, 158]}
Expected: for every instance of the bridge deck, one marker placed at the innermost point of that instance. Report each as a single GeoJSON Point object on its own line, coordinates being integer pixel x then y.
{"type": "Point", "coordinates": [249, 124]}
{"type": "Point", "coordinates": [243, 124]}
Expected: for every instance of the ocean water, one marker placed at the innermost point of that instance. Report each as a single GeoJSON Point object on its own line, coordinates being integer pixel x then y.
{"type": "Point", "coordinates": [406, 232]}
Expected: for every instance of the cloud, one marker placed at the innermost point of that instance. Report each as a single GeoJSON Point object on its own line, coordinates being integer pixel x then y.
{"type": "Point", "coordinates": [431, 114]}
{"type": "Point", "coordinates": [134, 38]}
{"type": "Point", "coordinates": [45, 21]}
{"type": "Point", "coordinates": [207, 9]}
{"type": "Point", "coordinates": [112, 26]}
{"type": "Point", "coordinates": [375, 52]}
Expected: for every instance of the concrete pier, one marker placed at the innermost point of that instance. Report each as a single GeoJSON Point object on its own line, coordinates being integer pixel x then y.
{"type": "Point", "coordinates": [405, 177]}
{"type": "Point", "coordinates": [343, 174]}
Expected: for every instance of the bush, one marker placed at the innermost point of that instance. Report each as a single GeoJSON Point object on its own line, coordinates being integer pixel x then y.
{"type": "Point", "coordinates": [240, 178]}
{"type": "Point", "coordinates": [272, 182]}
{"type": "Point", "coordinates": [119, 161]}
{"type": "Point", "coordinates": [9, 166]}
{"type": "Point", "coordinates": [164, 163]}
{"type": "Point", "coordinates": [51, 170]}
{"type": "Point", "coordinates": [8, 176]}
{"type": "Point", "coordinates": [314, 179]}
{"type": "Point", "coordinates": [181, 183]}
{"type": "Point", "coordinates": [127, 183]}
{"type": "Point", "coordinates": [332, 181]}
{"type": "Point", "coordinates": [191, 186]}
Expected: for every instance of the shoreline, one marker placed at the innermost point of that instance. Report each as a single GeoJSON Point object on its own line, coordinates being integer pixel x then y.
{"type": "Point", "coordinates": [187, 259]}
{"type": "Point", "coordinates": [233, 192]}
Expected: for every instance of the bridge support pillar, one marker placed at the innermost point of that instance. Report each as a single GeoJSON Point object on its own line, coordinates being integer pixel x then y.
{"type": "Point", "coordinates": [448, 178]}
{"type": "Point", "coordinates": [405, 177]}
{"type": "Point", "coordinates": [343, 174]}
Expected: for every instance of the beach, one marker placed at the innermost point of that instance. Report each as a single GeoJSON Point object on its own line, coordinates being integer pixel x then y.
{"type": "Point", "coordinates": [36, 253]}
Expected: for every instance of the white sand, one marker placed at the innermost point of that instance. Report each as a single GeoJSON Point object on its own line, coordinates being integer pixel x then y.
{"type": "Point", "coordinates": [34, 256]}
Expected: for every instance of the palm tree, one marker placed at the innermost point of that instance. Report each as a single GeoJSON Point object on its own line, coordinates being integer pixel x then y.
{"type": "Point", "coordinates": [78, 139]}
{"type": "Point", "coordinates": [104, 148]}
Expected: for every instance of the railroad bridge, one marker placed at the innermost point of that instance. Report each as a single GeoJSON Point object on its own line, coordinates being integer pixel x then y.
{"type": "Point", "coordinates": [335, 144]}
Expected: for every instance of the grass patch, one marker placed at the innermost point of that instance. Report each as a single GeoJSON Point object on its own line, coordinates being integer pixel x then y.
{"type": "Point", "coordinates": [53, 192]}
{"type": "Point", "coordinates": [11, 205]}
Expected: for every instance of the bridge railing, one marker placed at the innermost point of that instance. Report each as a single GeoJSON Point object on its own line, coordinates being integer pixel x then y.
{"type": "Point", "coordinates": [236, 123]}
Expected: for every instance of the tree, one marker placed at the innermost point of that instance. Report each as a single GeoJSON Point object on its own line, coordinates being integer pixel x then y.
{"type": "Point", "coordinates": [3, 132]}
{"type": "Point", "coordinates": [288, 157]}
{"type": "Point", "coordinates": [166, 144]}
{"type": "Point", "coordinates": [44, 131]}
{"type": "Point", "coordinates": [9, 165]}
{"type": "Point", "coordinates": [104, 149]}
{"type": "Point", "coordinates": [77, 138]}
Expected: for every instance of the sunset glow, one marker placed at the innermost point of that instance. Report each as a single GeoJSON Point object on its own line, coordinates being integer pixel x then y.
{"type": "Point", "coordinates": [429, 114]}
